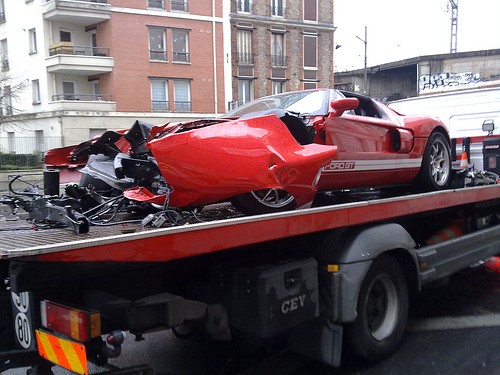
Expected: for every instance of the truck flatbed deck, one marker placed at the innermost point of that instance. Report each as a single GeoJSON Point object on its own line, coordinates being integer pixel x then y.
{"type": "Point", "coordinates": [164, 244]}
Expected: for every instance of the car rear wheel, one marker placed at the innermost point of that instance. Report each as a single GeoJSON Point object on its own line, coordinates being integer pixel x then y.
{"type": "Point", "coordinates": [435, 172]}
{"type": "Point", "coordinates": [264, 201]}
{"type": "Point", "coordinates": [382, 311]}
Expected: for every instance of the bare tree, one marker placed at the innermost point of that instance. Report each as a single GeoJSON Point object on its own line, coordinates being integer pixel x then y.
{"type": "Point", "coordinates": [11, 89]}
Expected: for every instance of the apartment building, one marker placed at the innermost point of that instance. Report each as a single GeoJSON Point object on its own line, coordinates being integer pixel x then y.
{"type": "Point", "coordinates": [280, 46]}
{"type": "Point", "coordinates": [72, 69]}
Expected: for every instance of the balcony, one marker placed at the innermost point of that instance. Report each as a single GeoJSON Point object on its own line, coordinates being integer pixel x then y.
{"type": "Point", "coordinates": [244, 58]}
{"type": "Point", "coordinates": [77, 12]}
{"type": "Point", "coordinates": [82, 102]}
{"type": "Point", "coordinates": [66, 58]}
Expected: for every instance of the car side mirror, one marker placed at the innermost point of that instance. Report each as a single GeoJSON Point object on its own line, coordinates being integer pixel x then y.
{"type": "Point", "coordinates": [489, 126]}
{"type": "Point", "coordinates": [339, 106]}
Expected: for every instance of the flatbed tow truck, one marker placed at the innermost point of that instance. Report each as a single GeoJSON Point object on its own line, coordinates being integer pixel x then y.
{"type": "Point", "coordinates": [319, 279]}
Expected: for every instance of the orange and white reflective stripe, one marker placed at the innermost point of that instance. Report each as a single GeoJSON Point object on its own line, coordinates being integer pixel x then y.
{"type": "Point", "coordinates": [65, 353]}
{"type": "Point", "coordinates": [454, 230]}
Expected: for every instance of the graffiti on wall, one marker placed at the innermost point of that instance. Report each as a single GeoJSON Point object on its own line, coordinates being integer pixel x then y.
{"type": "Point", "coordinates": [433, 81]}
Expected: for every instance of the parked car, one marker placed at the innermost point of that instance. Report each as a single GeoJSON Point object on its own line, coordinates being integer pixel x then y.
{"type": "Point", "coordinates": [268, 155]}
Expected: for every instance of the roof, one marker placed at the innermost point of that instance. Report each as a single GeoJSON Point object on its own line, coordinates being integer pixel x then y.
{"type": "Point", "coordinates": [416, 60]}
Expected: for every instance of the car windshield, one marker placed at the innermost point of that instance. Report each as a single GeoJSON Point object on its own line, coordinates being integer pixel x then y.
{"type": "Point", "coordinates": [312, 102]}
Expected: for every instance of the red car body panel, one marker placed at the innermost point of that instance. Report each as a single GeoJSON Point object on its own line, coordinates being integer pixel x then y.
{"type": "Point", "coordinates": [374, 151]}
{"type": "Point", "coordinates": [237, 157]}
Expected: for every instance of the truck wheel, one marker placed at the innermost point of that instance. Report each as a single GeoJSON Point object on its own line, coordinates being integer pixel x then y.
{"type": "Point", "coordinates": [382, 311]}
{"type": "Point", "coordinates": [264, 201]}
{"type": "Point", "coordinates": [435, 172]}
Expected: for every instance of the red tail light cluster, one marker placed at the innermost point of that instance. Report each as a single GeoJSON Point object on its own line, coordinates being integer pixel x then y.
{"type": "Point", "coordinates": [75, 323]}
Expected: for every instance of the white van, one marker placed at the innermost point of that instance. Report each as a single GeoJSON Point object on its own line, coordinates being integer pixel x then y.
{"type": "Point", "coordinates": [463, 111]}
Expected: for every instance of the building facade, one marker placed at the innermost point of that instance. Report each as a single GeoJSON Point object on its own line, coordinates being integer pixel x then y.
{"type": "Point", "coordinates": [280, 46]}
{"type": "Point", "coordinates": [72, 69]}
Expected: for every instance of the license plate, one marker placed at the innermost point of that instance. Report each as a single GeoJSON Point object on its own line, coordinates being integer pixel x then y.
{"type": "Point", "coordinates": [63, 352]}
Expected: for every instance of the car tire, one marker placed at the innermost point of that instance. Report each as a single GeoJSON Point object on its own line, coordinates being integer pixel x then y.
{"type": "Point", "coordinates": [435, 171]}
{"type": "Point", "coordinates": [382, 311]}
{"type": "Point", "coordinates": [264, 201]}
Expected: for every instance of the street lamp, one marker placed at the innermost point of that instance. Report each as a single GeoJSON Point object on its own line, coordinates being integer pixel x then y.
{"type": "Point", "coordinates": [365, 41]}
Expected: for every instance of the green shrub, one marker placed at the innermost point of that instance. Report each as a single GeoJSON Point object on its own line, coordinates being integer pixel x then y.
{"type": "Point", "coordinates": [19, 161]}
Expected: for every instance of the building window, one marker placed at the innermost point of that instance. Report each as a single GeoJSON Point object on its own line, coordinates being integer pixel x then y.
{"type": "Point", "coordinates": [95, 132]}
{"type": "Point", "coordinates": [2, 11]}
{"type": "Point", "coordinates": [157, 44]}
{"type": "Point", "coordinates": [6, 99]}
{"type": "Point", "coordinates": [310, 85]}
{"type": "Point", "coordinates": [96, 90]}
{"type": "Point", "coordinates": [35, 90]}
{"type": "Point", "coordinates": [277, 49]}
{"type": "Point", "coordinates": [11, 139]}
{"type": "Point", "coordinates": [245, 91]}
{"type": "Point", "coordinates": [310, 51]}
{"type": "Point", "coordinates": [182, 95]}
{"type": "Point", "coordinates": [311, 10]}
{"type": "Point", "coordinates": [159, 94]}
{"type": "Point", "coordinates": [278, 87]}
{"type": "Point", "coordinates": [156, 4]}
{"type": "Point", "coordinates": [68, 90]}
{"type": "Point", "coordinates": [180, 45]}
{"type": "Point", "coordinates": [310, 61]}
{"type": "Point", "coordinates": [32, 41]}
{"type": "Point", "coordinates": [245, 56]}
{"type": "Point", "coordinates": [64, 36]}
{"type": "Point", "coordinates": [4, 55]}
{"type": "Point", "coordinates": [278, 8]}
{"type": "Point", "coordinates": [40, 142]}
{"type": "Point", "coordinates": [244, 6]}
{"type": "Point", "coordinates": [179, 5]}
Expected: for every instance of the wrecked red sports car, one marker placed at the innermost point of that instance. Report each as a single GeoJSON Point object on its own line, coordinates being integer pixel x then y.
{"type": "Point", "coordinates": [268, 155]}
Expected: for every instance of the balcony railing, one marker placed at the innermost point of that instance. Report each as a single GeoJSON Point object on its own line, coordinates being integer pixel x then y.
{"type": "Point", "coordinates": [278, 60]}
{"type": "Point", "coordinates": [180, 57]}
{"type": "Point", "coordinates": [245, 58]}
{"type": "Point", "coordinates": [157, 55]}
{"type": "Point", "coordinates": [83, 97]}
{"type": "Point", "coordinates": [160, 106]}
{"type": "Point", "coordinates": [78, 50]}
{"type": "Point", "coordinates": [182, 106]}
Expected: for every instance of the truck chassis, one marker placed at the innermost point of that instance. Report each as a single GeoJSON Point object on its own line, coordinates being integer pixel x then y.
{"type": "Point", "coordinates": [317, 278]}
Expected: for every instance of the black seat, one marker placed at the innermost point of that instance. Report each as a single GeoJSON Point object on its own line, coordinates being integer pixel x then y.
{"type": "Point", "coordinates": [298, 129]}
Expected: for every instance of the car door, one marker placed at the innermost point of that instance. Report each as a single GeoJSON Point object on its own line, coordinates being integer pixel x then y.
{"type": "Point", "coordinates": [367, 150]}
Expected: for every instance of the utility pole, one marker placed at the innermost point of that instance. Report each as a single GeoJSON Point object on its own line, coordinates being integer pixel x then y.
{"type": "Point", "coordinates": [454, 22]}
{"type": "Point", "coordinates": [365, 78]}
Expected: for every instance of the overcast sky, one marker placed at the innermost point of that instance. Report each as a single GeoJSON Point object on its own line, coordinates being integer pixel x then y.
{"type": "Point", "coordinates": [399, 29]}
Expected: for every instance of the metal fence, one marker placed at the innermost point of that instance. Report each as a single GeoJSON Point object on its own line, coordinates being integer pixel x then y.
{"type": "Point", "coordinates": [25, 152]}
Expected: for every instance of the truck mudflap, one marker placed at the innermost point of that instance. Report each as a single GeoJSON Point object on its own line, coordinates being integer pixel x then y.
{"type": "Point", "coordinates": [319, 339]}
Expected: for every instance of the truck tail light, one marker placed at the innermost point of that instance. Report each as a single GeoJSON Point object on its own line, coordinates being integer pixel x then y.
{"type": "Point", "coordinates": [78, 324]}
